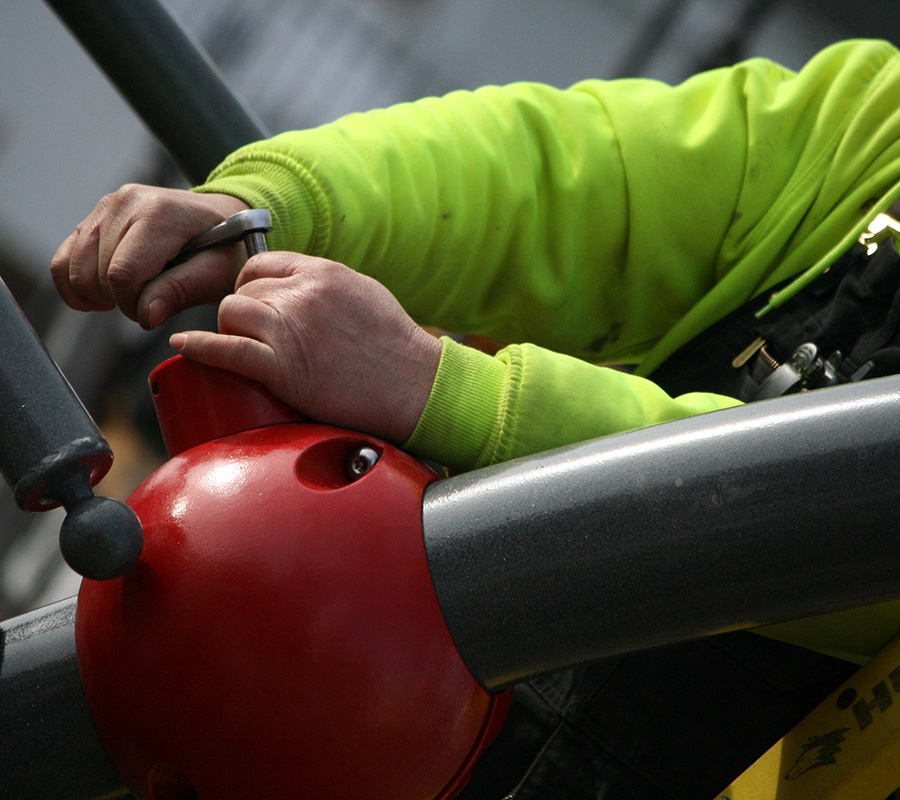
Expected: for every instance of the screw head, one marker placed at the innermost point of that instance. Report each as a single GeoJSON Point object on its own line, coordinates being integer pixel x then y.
{"type": "Point", "coordinates": [360, 461]}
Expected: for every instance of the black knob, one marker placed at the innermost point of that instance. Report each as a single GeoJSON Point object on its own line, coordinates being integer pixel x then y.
{"type": "Point", "coordinates": [100, 538]}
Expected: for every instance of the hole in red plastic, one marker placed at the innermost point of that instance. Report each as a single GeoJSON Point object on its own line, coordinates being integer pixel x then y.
{"type": "Point", "coordinates": [322, 466]}
{"type": "Point", "coordinates": [167, 783]}
{"type": "Point", "coordinates": [154, 387]}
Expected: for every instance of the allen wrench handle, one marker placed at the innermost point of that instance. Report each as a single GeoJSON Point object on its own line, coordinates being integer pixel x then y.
{"type": "Point", "coordinates": [250, 225]}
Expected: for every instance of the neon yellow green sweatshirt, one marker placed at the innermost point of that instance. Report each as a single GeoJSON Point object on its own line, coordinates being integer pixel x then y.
{"type": "Point", "coordinates": [608, 223]}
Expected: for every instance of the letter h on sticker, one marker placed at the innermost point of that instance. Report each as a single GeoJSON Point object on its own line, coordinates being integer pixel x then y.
{"type": "Point", "coordinates": [881, 700]}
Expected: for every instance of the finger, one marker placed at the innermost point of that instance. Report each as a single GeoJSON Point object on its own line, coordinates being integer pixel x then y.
{"type": "Point", "coordinates": [60, 273]}
{"type": "Point", "coordinates": [274, 264]}
{"type": "Point", "coordinates": [242, 315]}
{"type": "Point", "coordinates": [83, 266]}
{"type": "Point", "coordinates": [137, 258]}
{"type": "Point", "coordinates": [248, 357]}
{"type": "Point", "coordinates": [115, 234]}
{"type": "Point", "coordinates": [142, 253]}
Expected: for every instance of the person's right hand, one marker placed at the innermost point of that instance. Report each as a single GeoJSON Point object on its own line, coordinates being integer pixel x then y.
{"type": "Point", "coordinates": [116, 257]}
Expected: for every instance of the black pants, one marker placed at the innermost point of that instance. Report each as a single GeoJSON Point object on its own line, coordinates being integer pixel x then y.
{"type": "Point", "coordinates": [678, 722]}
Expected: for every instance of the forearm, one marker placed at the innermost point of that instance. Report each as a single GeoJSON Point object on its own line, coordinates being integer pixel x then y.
{"type": "Point", "coordinates": [592, 220]}
{"type": "Point", "coordinates": [469, 208]}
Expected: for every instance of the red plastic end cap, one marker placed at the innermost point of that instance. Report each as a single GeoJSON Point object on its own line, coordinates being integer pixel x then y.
{"type": "Point", "coordinates": [280, 636]}
{"type": "Point", "coordinates": [196, 404]}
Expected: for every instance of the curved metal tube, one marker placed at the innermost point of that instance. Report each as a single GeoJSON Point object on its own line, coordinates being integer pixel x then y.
{"type": "Point", "coordinates": [166, 78]}
{"type": "Point", "coordinates": [752, 515]}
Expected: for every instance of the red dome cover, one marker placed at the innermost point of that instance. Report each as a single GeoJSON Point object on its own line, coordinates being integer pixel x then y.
{"type": "Point", "coordinates": [280, 636]}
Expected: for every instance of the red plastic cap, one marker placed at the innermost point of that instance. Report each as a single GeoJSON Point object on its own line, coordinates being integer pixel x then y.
{"type": "Point", "coordinates": [280, 636]}
{"type": "Point", "coordinates": [196, 404]}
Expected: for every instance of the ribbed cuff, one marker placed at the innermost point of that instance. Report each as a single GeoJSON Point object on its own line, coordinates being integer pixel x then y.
{"type": "Point", "coordinates": [301, 215]}
{"type": "Point", "coordinates": [465, 410]}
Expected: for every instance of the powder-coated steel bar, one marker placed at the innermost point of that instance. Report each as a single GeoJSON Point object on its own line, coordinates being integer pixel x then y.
{"type": "Point", "coordinates": [166, 77]}
{"type": "Point", "coordinates": [775, 510]}
{"type": "Point", "coordinates": [49, 747]}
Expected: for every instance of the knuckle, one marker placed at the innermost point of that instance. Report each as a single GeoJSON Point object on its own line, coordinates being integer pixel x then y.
{"type": "Point", "coordinates": [318, 292]}
{"type": "Point", "coordinates": [59, 266]}
{"type": "Point", "coordinates": [137, 201]}
{"type": "Point", "coordinates": [150, 206]}
{"type": "Point", "coordinates": [243, 351]}
{"type": "Point", "coordinates": [253, 269]}
{"type": "Point", "coordinates": [242, 355]}
{"type": "Point", "coordinates": [328, 283]}
{"type": "Point", "coordinates": [106, 202]}
{"type": "Point", "coordinates": [330, 271]}
{"type": "Point", "coordinates": [83, 281]}
{"type": "Point", "coordinates": [175, 293]}
{"type": "Point", "coordinates": [114, 204]}
{"type": "Point", "coordinates": [229, 305]}
{"type": "Point", "coordinates": [88, 230]}
{"type": "Point", "coordinates": [128, 190]}
{"type": "Point", "coordinates": [128, 193]}
{"type": "Point", "coordinates": [122, 273]}
{"type": "Point", "coordinates": [121, 198]}
{"type": "Point", "coordinates": [230, 314]}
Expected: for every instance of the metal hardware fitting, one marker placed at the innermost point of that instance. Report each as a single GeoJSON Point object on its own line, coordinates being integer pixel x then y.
{"type": "Point", "coordinates": [360, 461]}
{"type": "Point", "coordinates": [250, 225]}
{"type": "Point", "coordinates": [878, 231]}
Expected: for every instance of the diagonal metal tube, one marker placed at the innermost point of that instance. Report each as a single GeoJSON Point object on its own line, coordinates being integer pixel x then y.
{"type": "Point", "coordinates": [781, 509]}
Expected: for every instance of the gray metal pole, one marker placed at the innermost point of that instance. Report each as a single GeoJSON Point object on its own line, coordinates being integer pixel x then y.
{"type": "Point", "coordinates": [51, 452]}
{"type": "Point", "coordinates": [166, 77]}
{"type": "Point", "coordinates": [49, 747]}
{"type": "Point", "coordinates": [777, 510]}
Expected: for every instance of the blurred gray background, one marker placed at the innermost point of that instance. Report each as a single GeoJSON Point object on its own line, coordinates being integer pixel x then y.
{"type": "Point", "coordinates": [66, 138]}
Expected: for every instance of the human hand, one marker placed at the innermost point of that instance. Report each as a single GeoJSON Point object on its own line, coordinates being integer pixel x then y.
{"type": "Point", "coordinates": [117, 255]}
{"type": "Point", "coordinates": [334, 344]}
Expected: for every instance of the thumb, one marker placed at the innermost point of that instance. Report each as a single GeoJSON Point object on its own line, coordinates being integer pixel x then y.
{"type": "Point", "coordinates": [275, 264]}
{"type": "Point", "coordinates": [204, 279]}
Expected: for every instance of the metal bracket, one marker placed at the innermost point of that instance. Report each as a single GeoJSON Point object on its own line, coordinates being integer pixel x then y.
{"type": "Point", "coordinates": [878, 231]}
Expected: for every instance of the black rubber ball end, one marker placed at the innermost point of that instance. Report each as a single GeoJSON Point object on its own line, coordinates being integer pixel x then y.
{"type": "Point", "coordinates": [101, 538]}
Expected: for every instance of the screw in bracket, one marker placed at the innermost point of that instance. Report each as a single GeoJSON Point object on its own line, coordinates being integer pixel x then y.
{"type": "Point", "coordinates": [360, 461]}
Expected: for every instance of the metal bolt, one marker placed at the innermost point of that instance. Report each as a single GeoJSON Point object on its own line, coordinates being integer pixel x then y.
{"type": "Point", "coordinates": [360, 461]}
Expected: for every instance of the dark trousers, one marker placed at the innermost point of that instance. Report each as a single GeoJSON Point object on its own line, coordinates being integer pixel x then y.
{"type": "Point", "coordinates": [678, 722]}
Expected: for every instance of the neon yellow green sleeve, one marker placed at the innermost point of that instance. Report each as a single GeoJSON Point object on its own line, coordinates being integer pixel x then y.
{"type": "Point", "coordinates": [610, 222]}
{"type": "Point", "coordinates": [487, 410]}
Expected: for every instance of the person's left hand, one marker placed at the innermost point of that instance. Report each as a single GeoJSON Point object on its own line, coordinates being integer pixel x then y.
{"type": "Point", "coordinates": [334, 344]}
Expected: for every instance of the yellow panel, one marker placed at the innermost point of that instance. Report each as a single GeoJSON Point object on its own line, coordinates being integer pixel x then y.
{"type": "Point", "coordinates": [846, 749]}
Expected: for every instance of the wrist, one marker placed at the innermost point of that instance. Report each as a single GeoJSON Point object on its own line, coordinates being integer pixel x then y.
{"type": "Point", "coordinates": [416, 385]}
{"type": "Point", "coordinates": [460, 424]}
